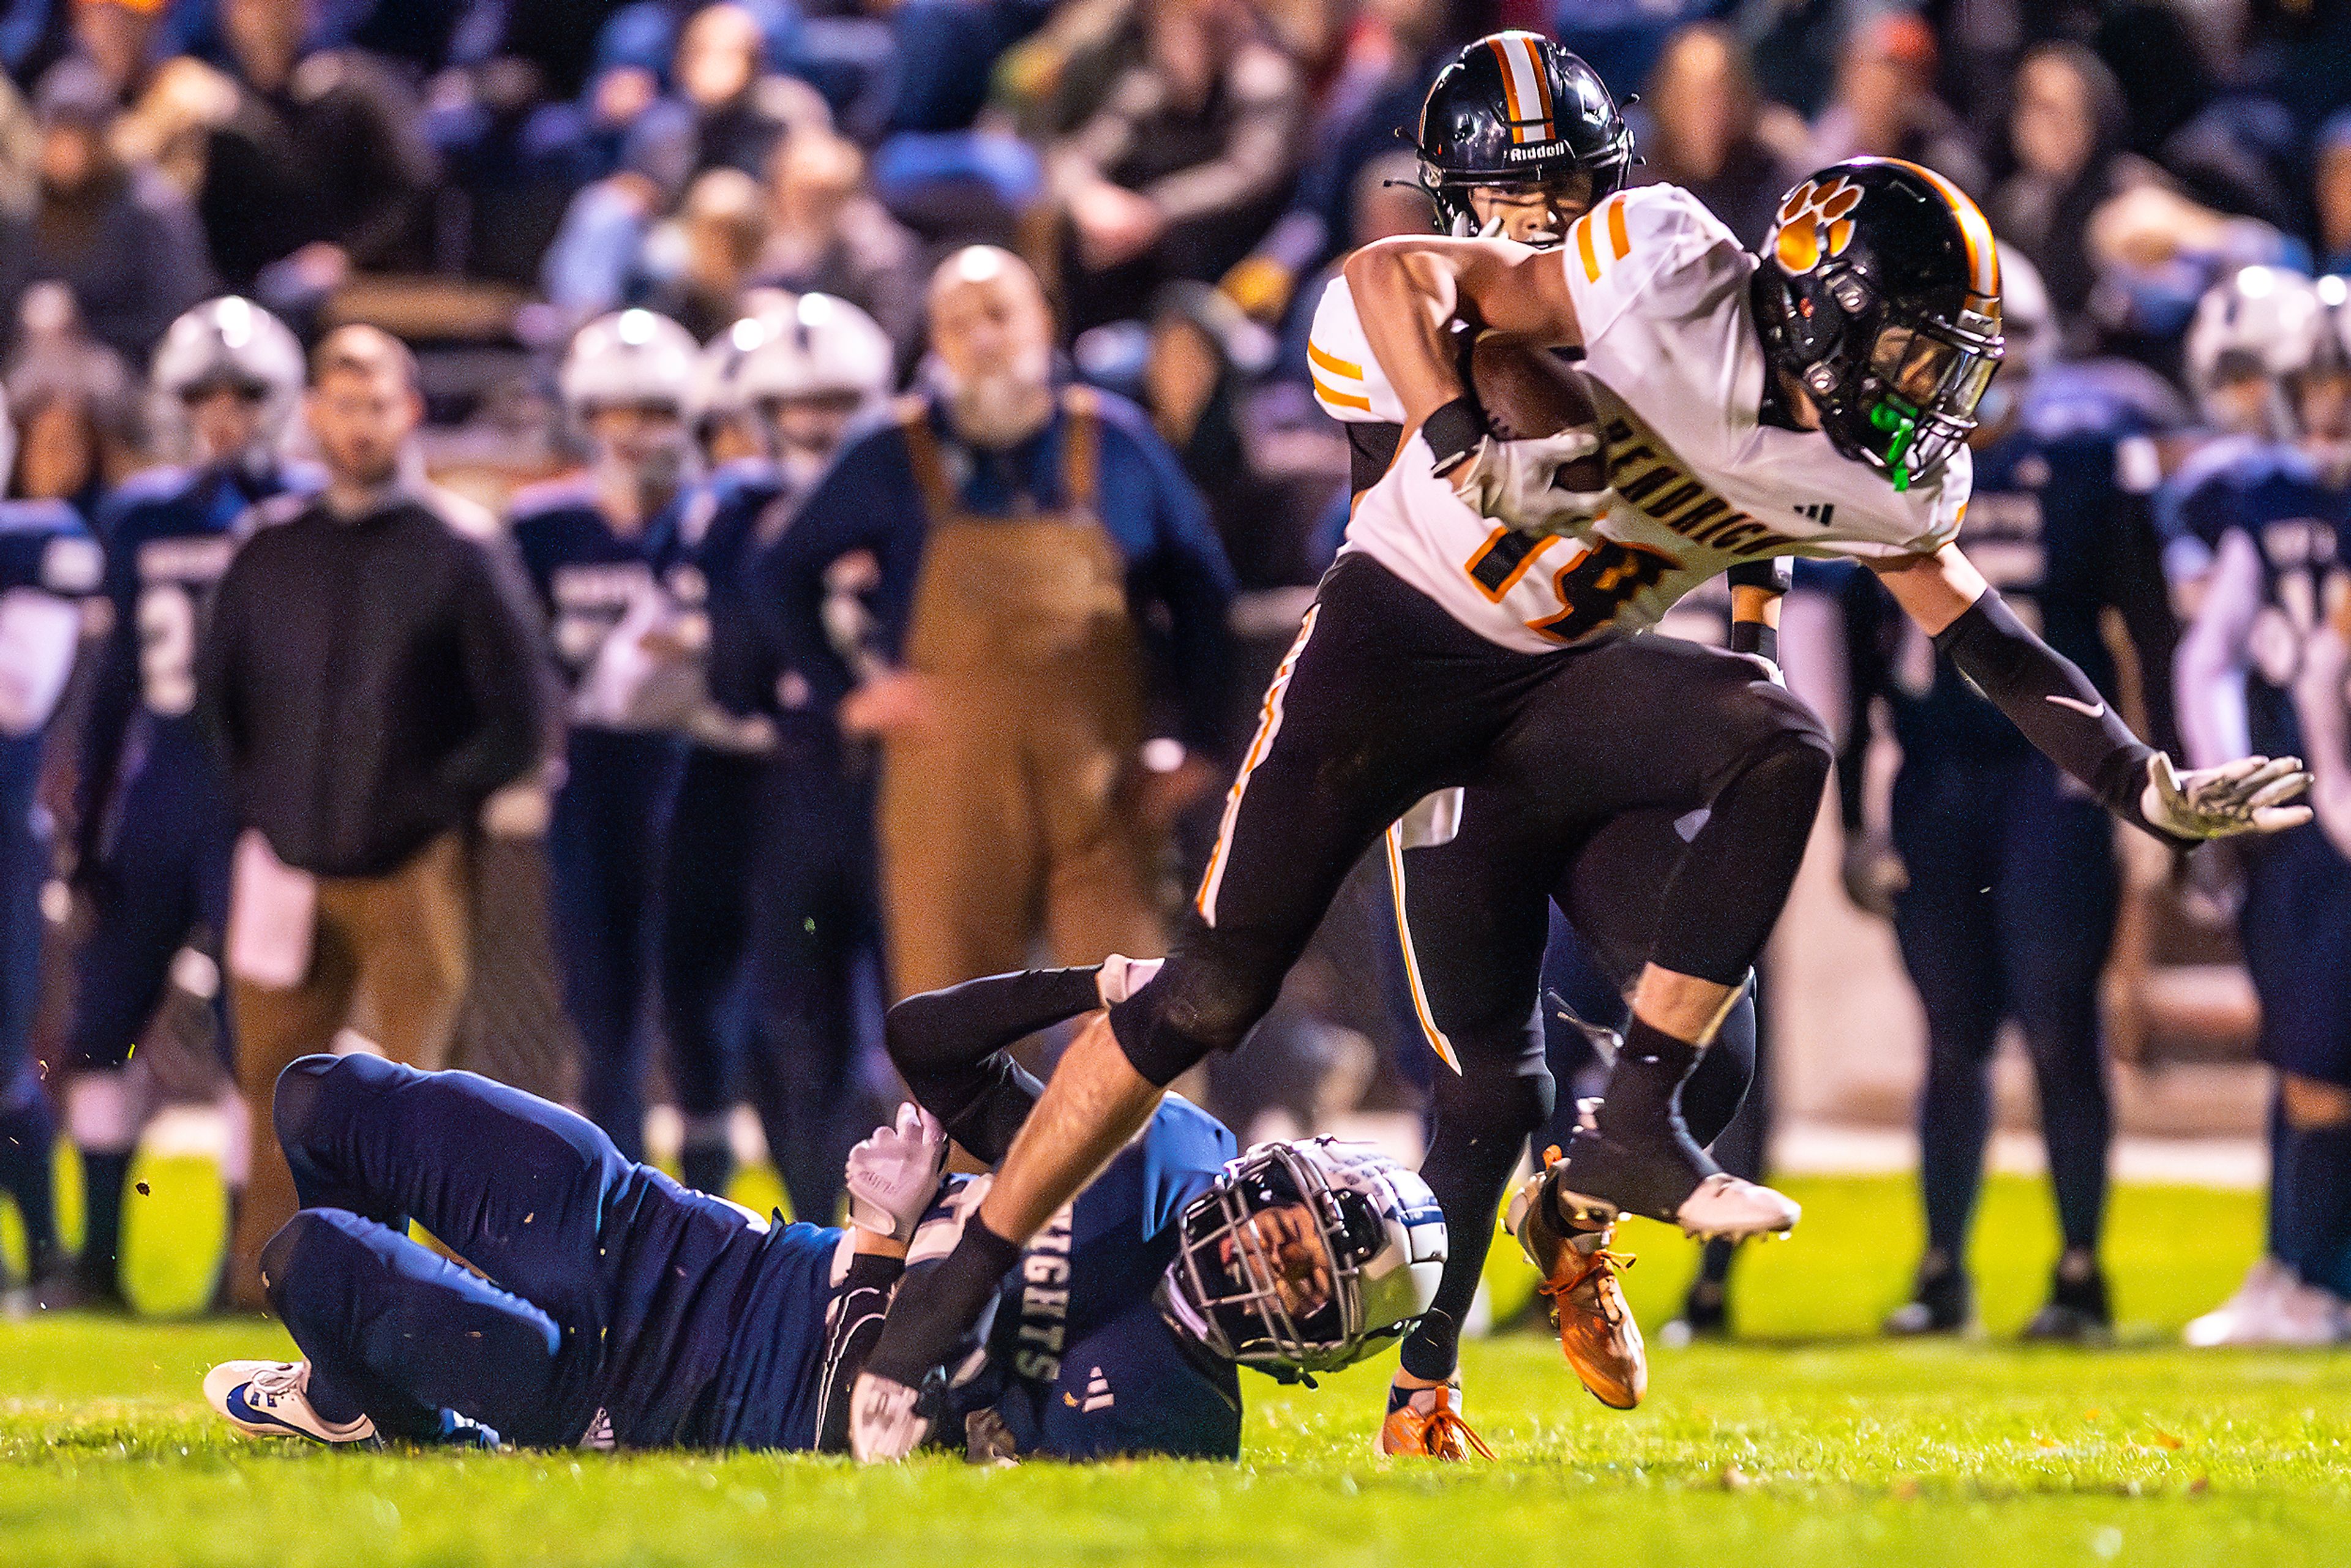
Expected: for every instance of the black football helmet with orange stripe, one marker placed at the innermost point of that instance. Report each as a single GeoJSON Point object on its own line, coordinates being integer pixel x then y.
{"type": "Point", "coordinates": [1514, 110]}
{"type": "Point", "coordinates": [1880, 295]}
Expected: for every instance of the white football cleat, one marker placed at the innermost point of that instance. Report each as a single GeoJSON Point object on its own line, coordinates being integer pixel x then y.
{"type": "Point", "coordinates": [2300, 1315]}
{"type": "Point", "coordinates": [1732, 1208]}
{"type": "Point", "coordinates": [272, 1399]}
{"type": "Point", "coordinates": [884, 1423]}
{"type": "Point", "coordinates": [2233, 1321]}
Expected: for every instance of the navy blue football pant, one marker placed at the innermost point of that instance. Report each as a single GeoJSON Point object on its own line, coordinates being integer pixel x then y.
{"type": "Point", "coordinates": [27, 1125]}
{"type": "Point", "coordinates": [709, 864]}
{"type": "Point", "coordinates": [604, 851]}
{"type": "Point", "coordinates": [163, 874]}
{"type": "Point", "coordinates": [609, 1287]}
{"type": "Point", "coordinates": [814, 976]}
{"type": "Point", "coordinates": [2009, 914]}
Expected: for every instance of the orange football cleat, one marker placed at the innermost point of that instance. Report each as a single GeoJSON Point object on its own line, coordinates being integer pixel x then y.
{"type": "Point", "coordinates": [1428, 1426]}
{"type": "Point", "coordinates": [1597, 1333]}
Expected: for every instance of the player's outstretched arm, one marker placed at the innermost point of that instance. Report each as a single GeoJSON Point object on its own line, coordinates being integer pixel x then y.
{"type": "Point", "coordinates": [2049, 698]}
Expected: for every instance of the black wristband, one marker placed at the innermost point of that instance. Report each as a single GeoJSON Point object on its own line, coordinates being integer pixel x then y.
{"type": "Point", "coordinates": [1453, 433]}
{"type": "Point", "coordinates": [1758, 637]}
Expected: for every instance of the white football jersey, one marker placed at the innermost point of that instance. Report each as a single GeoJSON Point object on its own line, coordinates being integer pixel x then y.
{"type": "Point", "coordinates": [1676, 370]}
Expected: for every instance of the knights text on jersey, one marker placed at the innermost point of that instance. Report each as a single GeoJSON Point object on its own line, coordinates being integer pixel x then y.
{"type": "Point", "coordinates": [1676, 370]}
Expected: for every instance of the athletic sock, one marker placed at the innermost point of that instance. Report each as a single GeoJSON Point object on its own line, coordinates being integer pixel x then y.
{"type": "Point", "coordinates": [926, 1324]}
{"type": "Point", "coordinates": [27, 1132]}
{"type": "Point", "coordinates": [2279, 1222]}
{"type": "Point", "coordinates": [2322, 1206]}
{"type": "Point", "coordinates": [104, 1173]}
{"type": "Point", "coordinates": [1645, 1087]}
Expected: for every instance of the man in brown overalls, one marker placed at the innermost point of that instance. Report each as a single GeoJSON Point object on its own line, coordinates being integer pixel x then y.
{"type": "Point", "coordinates": [1013, 530]}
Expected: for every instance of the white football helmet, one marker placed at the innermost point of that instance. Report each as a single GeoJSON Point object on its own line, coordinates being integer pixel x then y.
{"type": "Point", "coordinates": [631, 356]}
{"type": "Point", "coordinates": [2258, 322]}
{"type": "Point", "coordinates": [231, 340]}
{"type": "Point", "coordinates": [824, 347]}
{"type": "Point", "coordinates": [1241, 1287]}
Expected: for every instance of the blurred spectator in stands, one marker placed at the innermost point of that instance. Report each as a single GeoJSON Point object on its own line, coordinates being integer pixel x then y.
{"type": "Point", "coordinates": [1021, 537]}
{"type": "Point", "coordinates": [2067, 132]}
{"type": "Point", "coordinates": [1374, 101]}
{"type": "Point", "coordinates": [1053, 82]}
{"type": "Point", "coordinates": [372, 678]}
{"type": "Point", "coordinates": [1885, 105]}
{"type": "Point", "coordinates": [730, 110]}
{"type": "Point", "coordinates": [944, 54]}
{"type": "Point", "coordinates": [694, 268]}
{"type": "Point", "coordinates": [72, 405]}
{"type": "Point", "coordinates": [123, 244]}
{"type": "Point", "coordinates": [1197, 391]}
{"type": "Point", "coordinates": [318, 170]}
{"type": "Point", "coordinates": [2331, 196]}
{"type": "Point", "coordinates": [827, 235]}
{"type": "Point", "coordinates": [1182, 168]}
{"type": "Point", "coordinates": [1706, 131]}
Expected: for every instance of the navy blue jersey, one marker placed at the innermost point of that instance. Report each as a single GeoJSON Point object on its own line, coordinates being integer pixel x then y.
{"type": "Point", "coordinates": [2299, 528]}
{"type": "Point", "coordinates": [2059, 523]}
{"type": "Point", "coordinates": [1078, 1363]}
{"type": "Point", "coordinates": [704, 551]}
{"type": "Point", "coordinates": [167, 535]}
{"type": "Point", "coordinates": [1081, 1365]}
{"type": "Point", "coordinates": [588, 576]}
{"type": "Point", "coordinates": [48, 564]}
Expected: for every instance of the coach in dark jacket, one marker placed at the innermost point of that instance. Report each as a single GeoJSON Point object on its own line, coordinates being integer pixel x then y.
{"type": "Point", "coordinates": [371, 681]}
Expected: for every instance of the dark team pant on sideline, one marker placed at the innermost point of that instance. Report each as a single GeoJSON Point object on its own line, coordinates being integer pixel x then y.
{"type": "Point", "coordinates": [609, 1287]}
{"type": "Point", "coordinates": [2010, 914]}
{"type": "Point", "coordinates": [27, 1123]}
{"type": "Point", "coordinates": [603, 848]}
{"type": "Point", "coordinates": [707, 849]}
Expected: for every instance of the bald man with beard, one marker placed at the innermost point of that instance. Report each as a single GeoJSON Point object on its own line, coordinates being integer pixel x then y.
{"type": "Point", "coordinates": [1017, 535]}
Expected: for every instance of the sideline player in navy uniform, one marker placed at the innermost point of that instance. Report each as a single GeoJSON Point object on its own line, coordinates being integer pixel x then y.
{"type": "Point", "coordinates": [155, 831]}
{"type": "Point", "coordinates": [620, 1310]}
{"type": "Point", "coordinates": [2261, 538]}
{"type": "Point", "coordinates": [2009, 887]}
{"type": "Point", "coordinates": [49, 566]}
{"type": "Point", "coordinates": [770, 922]}
{"type": "Point", "coordinates": [588, 543]}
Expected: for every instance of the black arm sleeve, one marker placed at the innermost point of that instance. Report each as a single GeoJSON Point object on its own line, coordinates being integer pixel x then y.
{"type": "Point", "coordinates": [954, 1049]}
{"type": "Point", "coordinates": [2046, 696]}
{"type": "Point", "coordinates": [857, 1316]}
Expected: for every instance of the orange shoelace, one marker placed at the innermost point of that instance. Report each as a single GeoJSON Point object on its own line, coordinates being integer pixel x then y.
{"type": "Point", "coordinates": [1593, 1262]}
{"type": "Point", "coordinates": [1444, 1431]}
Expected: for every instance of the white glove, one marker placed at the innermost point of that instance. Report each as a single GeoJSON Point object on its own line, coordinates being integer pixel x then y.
{"type": "Point", "coordinates": [2247, 796]}
{"type": "Point", "coordinates": [894, 1174]}
{"type": "Point", "coordinates": [1516, 482]}
{"type": "Point", "coordinates": [1121, 977]}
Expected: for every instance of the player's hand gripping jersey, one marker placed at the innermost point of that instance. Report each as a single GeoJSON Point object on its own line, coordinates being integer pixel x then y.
{"type": "Point", "coordinates": [1677, 371]}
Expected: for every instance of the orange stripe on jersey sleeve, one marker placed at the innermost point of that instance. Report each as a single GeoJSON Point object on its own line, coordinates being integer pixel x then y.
{"type": "Point", "coordinates": [1619, 240]}
{"type": "Point", "coordinates": [1338, 399]}
{"type": "Point", "coordinates": [1333, 364]}
{"type": "Point", "coordinates": [1583, 248]}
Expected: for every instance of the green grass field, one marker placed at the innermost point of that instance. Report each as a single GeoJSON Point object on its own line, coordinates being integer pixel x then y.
{"type": "Point", "coordinates": [1809, 1441]}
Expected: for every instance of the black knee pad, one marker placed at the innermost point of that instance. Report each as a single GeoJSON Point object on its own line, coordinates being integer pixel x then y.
{"type": "Point", "coordinates": [294, 1102]}
{"type": "Point", "coordinates": [1193, 1008]}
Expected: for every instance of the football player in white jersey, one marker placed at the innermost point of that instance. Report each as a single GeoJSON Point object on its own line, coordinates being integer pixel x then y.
{"type": "Point", "coordinates": [1813, 400]}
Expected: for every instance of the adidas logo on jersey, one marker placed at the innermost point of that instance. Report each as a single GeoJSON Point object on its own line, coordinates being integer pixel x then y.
{"type": "Point", "coordinates": [1820, 512]}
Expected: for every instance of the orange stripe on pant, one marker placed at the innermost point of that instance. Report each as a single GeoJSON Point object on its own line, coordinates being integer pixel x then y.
{"type": "Point", "coordinates": [1435, 1036]}
{"type": "Point", "coordinates": [1268, 725]}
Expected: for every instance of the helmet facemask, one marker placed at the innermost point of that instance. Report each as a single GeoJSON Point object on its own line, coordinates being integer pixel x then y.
{"type": "Point", "coordinates": [1292, 1267]}
{"type": "Point", "coordinates": [1899, 389]}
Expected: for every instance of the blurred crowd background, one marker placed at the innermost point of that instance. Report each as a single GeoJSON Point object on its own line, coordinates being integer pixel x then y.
{"type": "Point", "coordinates": [1085, 237]}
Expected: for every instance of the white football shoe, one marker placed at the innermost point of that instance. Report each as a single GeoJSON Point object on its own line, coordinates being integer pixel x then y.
{"type": "Point", "coordinates": [885, 1424]}
{"type": "Point", "coordinates": [2300, 1315]}
{"type": "Point", "coordinates": [272, 1399]}
{"type": "Point", "coordinates": [2234, 1320]}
